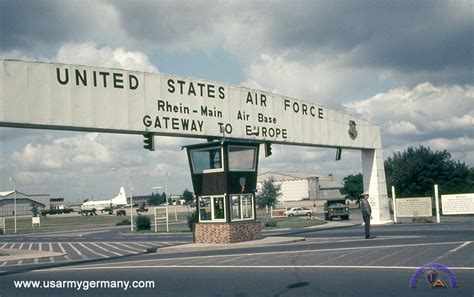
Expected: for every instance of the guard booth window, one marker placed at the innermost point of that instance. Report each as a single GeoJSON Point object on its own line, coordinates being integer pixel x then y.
{"type": "Point", "coordinates": [207, 160]}
{"type": "Point", "coordinates": [242, 158]}
{"type": "Point", "coordinates": [212, 209]}
{"type": "Point", "coordinates": [242, 207]}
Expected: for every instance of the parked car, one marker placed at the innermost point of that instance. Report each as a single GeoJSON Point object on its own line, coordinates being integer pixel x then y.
{"type": "Point", "coordinates": [298, 211]}
{"type": "Point", "coordinates": [336, 208]}
{"type": "Point", "coordinates": [121, 212]}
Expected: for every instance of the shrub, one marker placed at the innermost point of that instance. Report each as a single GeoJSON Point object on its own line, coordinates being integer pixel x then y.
{"type": "Point", "coordinates": [192, 220]}
{"type": "Point", "coordinates": [1, 231]}
{"type": "Point", "coordinates": [271, 223]}
{"type": "Point", "coordinates": [123, 223]}
{"type": "Point", "coordinates": [143, 223]}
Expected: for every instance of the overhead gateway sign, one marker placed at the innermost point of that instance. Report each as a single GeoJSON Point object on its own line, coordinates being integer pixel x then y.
{"type": "Point", "coordinates": [73, 97]}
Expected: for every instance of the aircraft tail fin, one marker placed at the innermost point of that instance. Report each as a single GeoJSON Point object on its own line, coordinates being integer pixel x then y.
{"type": "Point", "coordinates": [121, 198]}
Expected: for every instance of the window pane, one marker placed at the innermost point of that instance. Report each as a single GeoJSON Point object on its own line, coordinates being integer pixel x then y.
{"type": "Point", "coordinates": [205, 208]}
{"type": "Point", "coordinates": [219, 208]}
{"type": "Point", "coordinates": [235, 206]}
{"type": "Point", "coordinates": [206, 159]}
{"type": "Point", "coordinates": [242, 158]}
{"type": "Point", "coordinates": [247, 206]}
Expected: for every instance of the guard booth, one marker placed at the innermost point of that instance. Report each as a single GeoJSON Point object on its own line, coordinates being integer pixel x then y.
{"type": "Point", "coordinates": [224, 176]}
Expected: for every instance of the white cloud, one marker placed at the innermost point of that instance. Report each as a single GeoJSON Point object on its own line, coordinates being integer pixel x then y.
{"type": "Point", "coordinates": [437, 116]}
{"type": "Point", "coordinates": [423, 110]}
{"type": "Point", "coordinates": [77, 164]}
{"type": "Point", "coordinates": [90, 54]}
{"type": "Point", "coordinates": [319, 79]}
{"type": "Point", "coordinates": [402, 127]}
{"type": "Point", "coordinates": [64, 153]}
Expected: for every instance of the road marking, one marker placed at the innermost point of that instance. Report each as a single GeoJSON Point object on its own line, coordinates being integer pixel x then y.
{"type": "Point", "coordinates": [452, 251]}
{"type": "Point", "coordinates": [231, 259]}
{"type": "Point", "coordinates": [11, 247]}
{"type": "Point", "coordinates": [77, 251]}
{"type": "Point", "coordinates": [36, 261]}
{"type": "Point", "coordinates": [92, 251]}
{"type": "Point", "coordinates": [105, 250]}
{"type": "Point", "coordinates": [386, 256]}
{"type": "Point", "coordinates": [130, 247]}
{"type": "Point", "coordinates": [30, 246]}
{"type": "Point", "coordinates": [348, 239]}
{"type": "Point", "coordinates": [3, 245]}
{"type": "Point", "coordinates": [141, 244]}
{"type": "Point", "coordinates": [298, 252]}
{"type": "Point", "coordinates": [21, 245]}
{"type": "Point", "coordinates": [92, 232]}
{"type": "Point", "coordinates": [40, 247]}
{"type": "Point", "coordinates": [20, 262]}
{"type": "Point", "coordinates": [51, 259]}
{"type": "Point", "coordinates": [4, 263]}
{"type": "Point", "coordinates": [111, 246]}
{"type": "Point", "coordinates": [246, 267]}
{"type": "Point", "coordinates": [66, 256]}
{"type": "Point", "coordinates": [50, 247]}
{"type": "Point", "coordinates": [461, 246]}
{"type": "Point", "coordinates": [338, 257]}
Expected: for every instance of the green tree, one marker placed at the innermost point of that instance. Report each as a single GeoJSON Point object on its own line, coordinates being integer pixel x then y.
{"type": "Point", "coordinates": [143, 223]}
{"type": "Point", "coordinates": [353, 187]}
{"type": "Point", "coordinates": [269, 193]}
{"type": "Point", "coordinates": [34, 209]}
{"type": "Point", "coordinates": [188, 196]}
{"type": "Point", "coordinates": [415, 171]}
{"type": "Point", "coordinates": [156, 199]}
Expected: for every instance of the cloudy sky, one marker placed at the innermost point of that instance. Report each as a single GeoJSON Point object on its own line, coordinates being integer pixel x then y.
{"type": "Point", "coordinates": [407, 65]}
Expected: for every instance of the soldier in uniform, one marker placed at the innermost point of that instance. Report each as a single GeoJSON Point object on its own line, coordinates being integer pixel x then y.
{"type": "Point", "coordinates": [366, 214]}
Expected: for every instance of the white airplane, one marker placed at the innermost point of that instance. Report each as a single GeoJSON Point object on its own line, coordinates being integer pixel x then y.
{"type": "Point", "coordinates": [117, 202]}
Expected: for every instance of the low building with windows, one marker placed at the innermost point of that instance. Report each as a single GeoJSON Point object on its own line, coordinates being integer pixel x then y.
{"type": "Point", "coordinates": [299, 187]}
{"type": "Point", "coordinates": [24, 203]}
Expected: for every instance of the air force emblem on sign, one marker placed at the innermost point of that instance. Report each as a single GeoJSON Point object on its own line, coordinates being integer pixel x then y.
{"type": "Point", "coordinates": [352, 130]}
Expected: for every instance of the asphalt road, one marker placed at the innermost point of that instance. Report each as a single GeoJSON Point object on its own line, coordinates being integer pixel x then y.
{"type": "Point", "coordinates": [329, 263]}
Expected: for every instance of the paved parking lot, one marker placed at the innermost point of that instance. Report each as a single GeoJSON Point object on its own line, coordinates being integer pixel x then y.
{"type": "Point", "coordinates": [78, 251]}
{"type": "Point", "coordinates": [336, 262]}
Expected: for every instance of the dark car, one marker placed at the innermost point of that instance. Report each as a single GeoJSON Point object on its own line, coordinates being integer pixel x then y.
{"type": "Point", "coordinates": [336, 208]}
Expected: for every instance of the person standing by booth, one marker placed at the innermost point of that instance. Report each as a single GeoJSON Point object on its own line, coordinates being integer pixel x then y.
{"type": "Point", "coordinates": [366, 214]}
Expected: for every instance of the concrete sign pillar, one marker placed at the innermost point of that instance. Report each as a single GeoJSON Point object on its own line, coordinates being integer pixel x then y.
{"type": "Point", "coordinates": [374, 182]}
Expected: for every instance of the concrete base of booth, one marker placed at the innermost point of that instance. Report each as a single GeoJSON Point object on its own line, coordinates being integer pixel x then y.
{"type": "Point", "coordinates": [227, 232]}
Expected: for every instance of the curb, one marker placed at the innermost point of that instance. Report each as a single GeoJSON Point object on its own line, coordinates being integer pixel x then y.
{"type": "Point", "coordinates": [271, 240]}
{"type": "Point", "coordinates": [14, 254]}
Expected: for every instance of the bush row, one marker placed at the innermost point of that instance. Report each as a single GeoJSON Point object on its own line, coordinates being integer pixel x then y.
{"type": "Point", "coordinates": [45, 212]}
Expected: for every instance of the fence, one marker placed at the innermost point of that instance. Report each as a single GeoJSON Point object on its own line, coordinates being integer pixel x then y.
{"type": "Point", "coordinates": [278, 213]}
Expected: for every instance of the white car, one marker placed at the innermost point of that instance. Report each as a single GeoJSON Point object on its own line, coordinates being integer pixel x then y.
{"type": "Point", "coordinates": [298, 211]}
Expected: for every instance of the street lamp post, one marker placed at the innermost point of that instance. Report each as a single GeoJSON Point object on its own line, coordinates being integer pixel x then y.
{"type": "Point", "coordinates": [166, 187]}
{"type": "Point", "coordinates": [12, 180]}
{"type": "Point", "coordinates": [131, 193]}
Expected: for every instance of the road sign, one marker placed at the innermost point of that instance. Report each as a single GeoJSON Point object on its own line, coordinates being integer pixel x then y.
{"type": "Point", "coordinates": [83, 98]}
{"type": "Point", "coordinates": [458, 204]}
{"type": "Point", "coordinates": [161, 214]}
